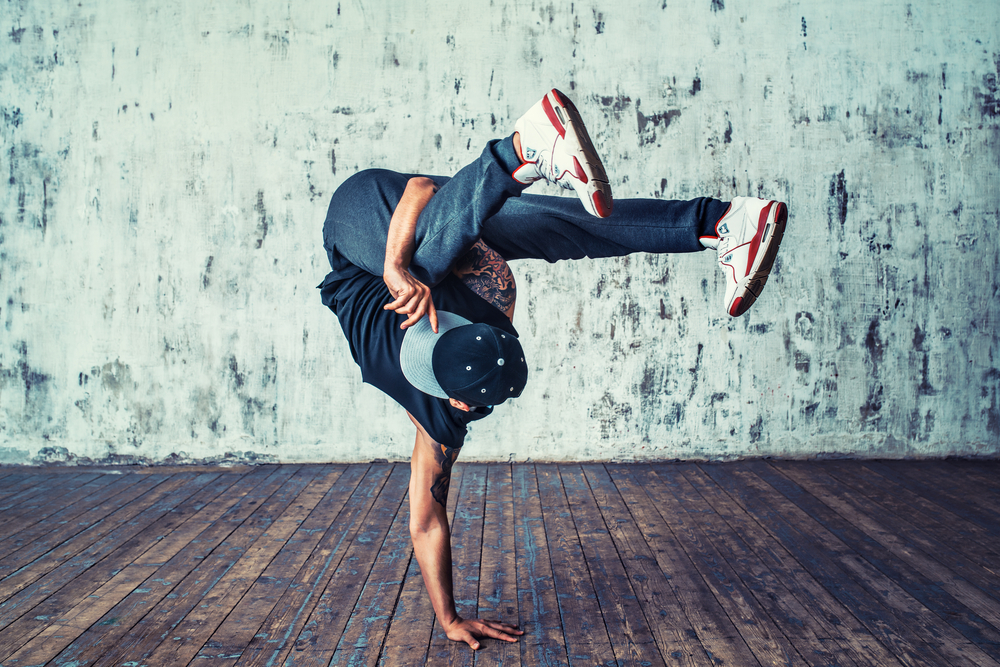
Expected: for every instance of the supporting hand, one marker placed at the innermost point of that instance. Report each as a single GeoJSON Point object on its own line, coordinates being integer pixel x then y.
{"type": "Point", "coordinates": [468, 630]}
{"type": "Point", "coordinates": [412, 297]}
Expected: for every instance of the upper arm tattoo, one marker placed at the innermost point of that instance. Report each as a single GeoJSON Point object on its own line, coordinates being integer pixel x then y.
{"type": "Point", "coordinates": [445, 458]}
{"type": "Point", "coordinates": [486, 273]}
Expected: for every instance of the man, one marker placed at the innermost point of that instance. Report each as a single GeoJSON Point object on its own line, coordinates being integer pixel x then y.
{"type": "Point", "coordinates": [440, 340]}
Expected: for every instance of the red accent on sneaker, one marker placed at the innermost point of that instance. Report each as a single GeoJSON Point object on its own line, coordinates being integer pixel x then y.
{"type": "Point", "coordinates": [734, 310]}
{"type": "Point", "coordinates": [580, 173]}
{"type": "Point", "coordinates": [553, 118]}
{"type": "Point", "coordinates": [755, 243]}
{"type": "Point", "coordinates": [601, 204]}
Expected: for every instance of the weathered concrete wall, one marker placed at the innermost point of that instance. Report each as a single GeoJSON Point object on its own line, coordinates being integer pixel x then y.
{"type": "Point", "coordinates": [169, 166]}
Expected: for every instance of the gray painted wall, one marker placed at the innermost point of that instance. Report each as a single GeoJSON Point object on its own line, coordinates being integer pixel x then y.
{"type": "Point", "coordinates": [169, 166]}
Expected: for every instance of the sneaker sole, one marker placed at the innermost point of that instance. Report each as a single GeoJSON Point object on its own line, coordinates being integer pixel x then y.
{"type": "Point", "coordinates": [770, 239]}
{"type": "Point", "coordinates": [594, 189]}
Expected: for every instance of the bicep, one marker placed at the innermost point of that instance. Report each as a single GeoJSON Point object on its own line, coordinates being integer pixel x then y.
{"type": "Point", "coordinates": [486, 273]}
{"type": "Point", "coordinates": [430, 476]}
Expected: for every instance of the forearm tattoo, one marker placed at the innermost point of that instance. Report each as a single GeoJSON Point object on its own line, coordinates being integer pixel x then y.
{"type": "Point", "coordinates": [486, 273]}
{"type": "Point", "coordinates": [445, 457]}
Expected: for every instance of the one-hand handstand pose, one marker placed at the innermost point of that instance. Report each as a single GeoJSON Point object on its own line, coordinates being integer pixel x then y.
{"type": "Point", "coordinates": [441, 246]}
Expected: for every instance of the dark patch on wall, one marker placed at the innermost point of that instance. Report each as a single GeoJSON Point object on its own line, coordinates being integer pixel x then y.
{"type": "Point", "coordinates": [925, 388]}
{"type": "Point", "coordinates": [695, 86]}
{"type": "Point", "coordinates": [206, 276]}
{"type": "Point", "coordinates": [989, 101]}
{"type": "Point", "coordinates": [277, 44]}
{"type": "Point", "coordinates": [801, 362]}
{"type": "Point", "coordinates": [838, 193]}
{"type": "Point", "coordinates": [239, 379]}
{"type": "Point", "coordinates": [874, 350]}
{"type": "Point", "coordinates": [263, 219]}
{"type": "Point", "coordinates": [333, 161]}
{"type": "Point", "coordinates": [616, 104]}
{"type": "Point", "coordinates": [804, 323]}
{"type": "Point", "coordinates": [718, 5]}
{"type": "Point", "coordinates": [598, 21]}
{"type": "Point", "coordinates": [695, 369]}
{"type": "Point", "coordinates": [727, 137]}
{"type": "Point", "coordinates": [115, 376]}
{"type": "Point", "coordinates": [652, 388]}
{"type": "Point", "coordinates": [649, 124]}
{"type": "Point", "coordinates": [12, 117]}
{"type": "Point", "coordinates": [269, 370]}
{"type": "Point", "coordinates": [314, 194]}
{"type": "Point", "coordinates": [46, 204]}
{"type": "Point", "coordinates": [35, 384]}
{"type": "Point", "coordinates": [873, 345]}
{"type": "Point", "coordinates": [990, 391]}
{"type": "Point", "coordinates": [609, 414]}
{"type": "Point", "coordinates": [16, 34]}
{"type": "Point", "coordinates": [20, 204]}
{"type": "Point", "coordinates": [756, 430]}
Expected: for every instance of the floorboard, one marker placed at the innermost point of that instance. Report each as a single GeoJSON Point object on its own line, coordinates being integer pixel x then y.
{"type": "Point", "coordinates": [846, 563]}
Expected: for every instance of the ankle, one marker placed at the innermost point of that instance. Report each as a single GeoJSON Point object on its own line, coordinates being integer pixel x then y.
{"type": "Point", "coordinates": [517, 146]}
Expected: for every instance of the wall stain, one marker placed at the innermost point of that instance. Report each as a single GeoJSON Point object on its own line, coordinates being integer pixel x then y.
{"type": "Point", "coordinates": [598, 22]}
{"type": "Point", "coordinates": [648, 124]}
{"type": "Point", "coordinates": [263, 219]}
{"type": "Point", "coordinates": [206, 276]}
{"type": "Point", "coordinates": [989, 100]}
{"type": "Point", "coordinates": [838, 192]}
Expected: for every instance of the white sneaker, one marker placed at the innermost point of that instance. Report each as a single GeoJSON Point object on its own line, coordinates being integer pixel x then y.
{"type": "Point", "coordinates": [555, 147]}
{"type": "Point", "coordinates": [747, 239]}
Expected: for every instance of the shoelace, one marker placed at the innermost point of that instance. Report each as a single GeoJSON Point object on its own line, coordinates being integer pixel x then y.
{"type": "Point", "coordinates": [549, 170]}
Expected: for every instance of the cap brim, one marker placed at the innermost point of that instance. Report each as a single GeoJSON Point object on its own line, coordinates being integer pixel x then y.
{"type": "Point", "coordinates": [417, 351]}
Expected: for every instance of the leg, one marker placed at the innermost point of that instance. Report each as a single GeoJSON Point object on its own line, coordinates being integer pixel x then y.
{"type": "Point", "coordinates": [555, 228]}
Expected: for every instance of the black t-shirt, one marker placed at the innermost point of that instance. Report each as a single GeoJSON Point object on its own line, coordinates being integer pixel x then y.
{"type": "Point", "coordinates": [357, 297]}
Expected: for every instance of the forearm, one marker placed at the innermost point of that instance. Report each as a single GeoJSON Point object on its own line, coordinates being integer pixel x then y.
{"type": "Point", "coordinates": [432, 547]}
{"type": "Point", "coordinates": [401, 241]}
{"type": "Point", "coordinates": [411, 297]}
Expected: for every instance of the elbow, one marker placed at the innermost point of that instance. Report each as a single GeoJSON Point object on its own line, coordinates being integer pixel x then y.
{"type": "Point", "coordinates": [422, 527]}
{"type": "Point", "coordinates": [422, 183]}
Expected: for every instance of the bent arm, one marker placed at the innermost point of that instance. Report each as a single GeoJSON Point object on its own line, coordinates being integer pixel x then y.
{"type": "Point", "coordinates": [430, 477]}
{"type": "Point", "coordinates": [412, 297]}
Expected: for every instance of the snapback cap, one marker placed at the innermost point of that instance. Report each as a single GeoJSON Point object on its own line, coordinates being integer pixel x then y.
{"type": "Point", "coordinates": [474, 363]}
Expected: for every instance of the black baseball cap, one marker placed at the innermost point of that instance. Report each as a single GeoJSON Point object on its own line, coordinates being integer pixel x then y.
{"type": "Point", "coordinates": [477, 364]}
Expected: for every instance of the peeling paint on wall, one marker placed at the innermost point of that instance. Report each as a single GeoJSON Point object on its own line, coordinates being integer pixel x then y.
{"type": "Point", "coordinates": [168, 168]}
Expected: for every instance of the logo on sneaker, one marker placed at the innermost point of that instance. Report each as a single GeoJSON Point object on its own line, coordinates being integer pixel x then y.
{"type": "Point", "coordinates": [529, 154]}
{"type": "Point", "coordinates": [728, 258]}
{"type": "Point", "coordinates": [724, 229]}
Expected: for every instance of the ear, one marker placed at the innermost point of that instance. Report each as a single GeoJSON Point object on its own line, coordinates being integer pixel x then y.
{"type": "Point", "coordinates": [458, 405]}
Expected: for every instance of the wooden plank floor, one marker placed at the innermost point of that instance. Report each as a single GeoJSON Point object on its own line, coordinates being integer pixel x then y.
{"type": "Point", "coordinates": [851, 563]}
